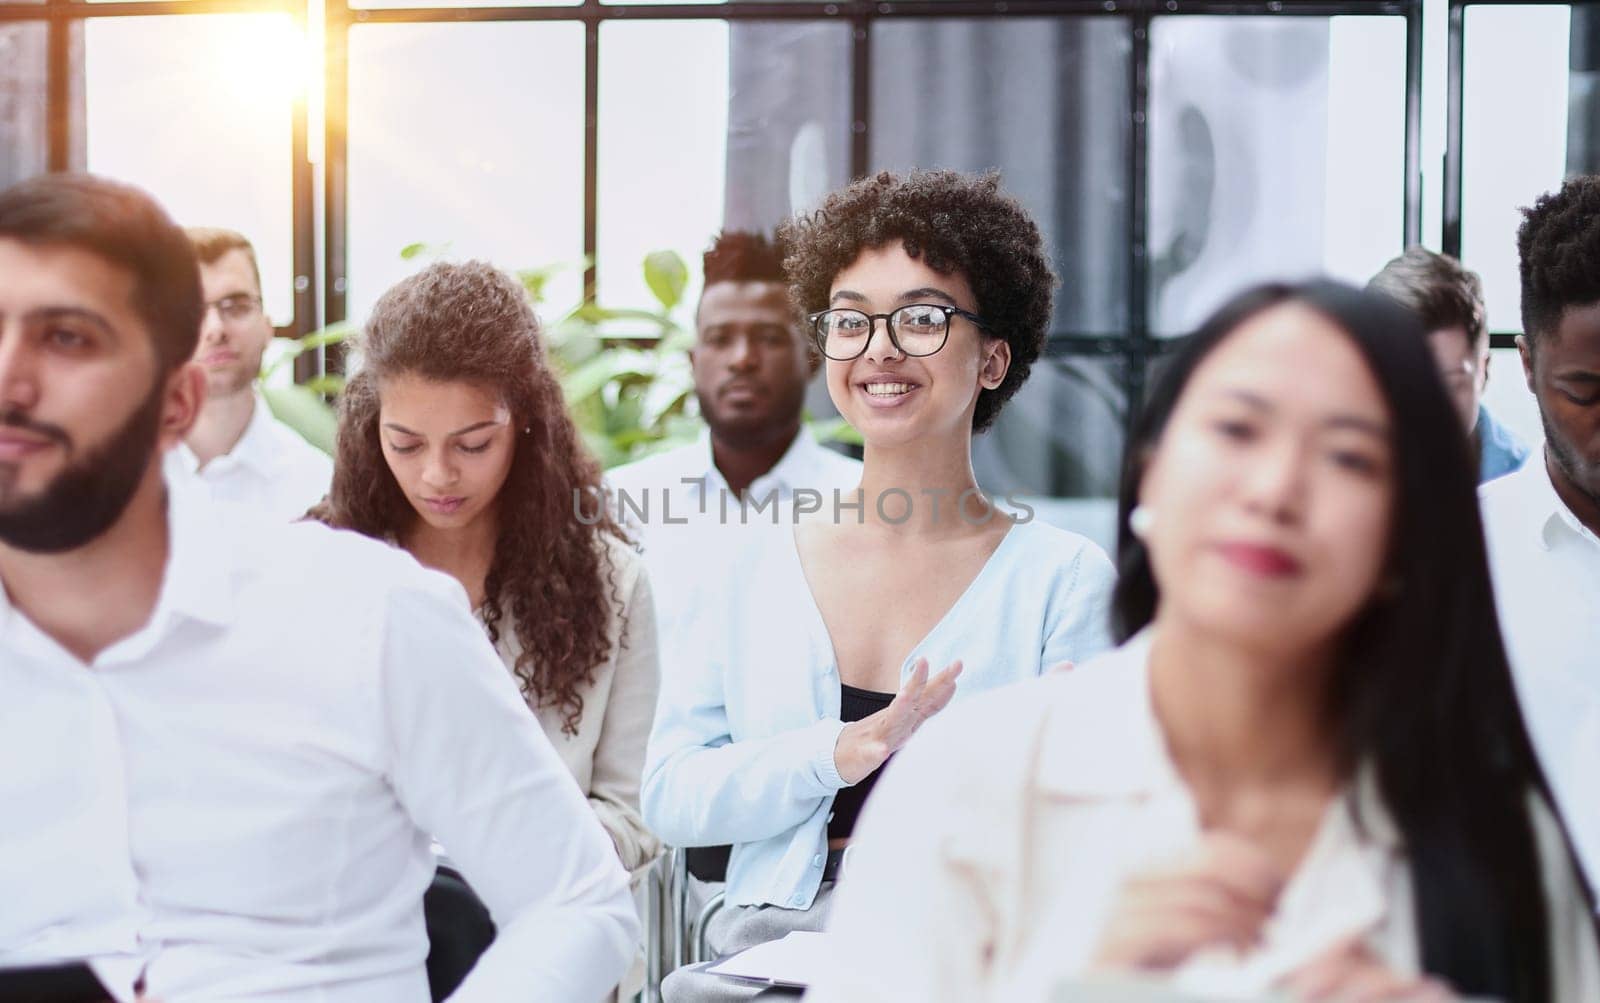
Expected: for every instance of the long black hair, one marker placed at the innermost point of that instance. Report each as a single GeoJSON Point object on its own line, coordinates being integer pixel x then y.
{"type": "Point", "coordinates": [1423, 691]}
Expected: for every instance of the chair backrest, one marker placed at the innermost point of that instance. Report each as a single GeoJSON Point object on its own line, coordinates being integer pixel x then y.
{"type": "Point", "coordinates": [709, 863]}
{"type": "Point", "coordinates": [459, 930]}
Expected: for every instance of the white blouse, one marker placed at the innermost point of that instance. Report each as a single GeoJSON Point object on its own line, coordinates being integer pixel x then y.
{"type": "Point", "coordinates": [606, 754]}
{"type": "Point", "coordinates": [992, 851]}
{"type": "Point", "coordinates": [236, 800]}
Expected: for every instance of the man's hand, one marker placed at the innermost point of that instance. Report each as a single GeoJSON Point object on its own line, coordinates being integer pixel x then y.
{"type": "Point", "coordinates": [864, 745]}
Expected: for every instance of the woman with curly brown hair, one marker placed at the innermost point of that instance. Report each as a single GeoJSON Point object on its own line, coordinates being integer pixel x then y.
{"type": "Point", "coordinates": [455, 444]}
{"type": "Point", "coordinates": [928, 295]}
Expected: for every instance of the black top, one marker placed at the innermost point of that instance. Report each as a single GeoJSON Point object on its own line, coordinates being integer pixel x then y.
{"type": "Point", "coordinates": [854, 704]}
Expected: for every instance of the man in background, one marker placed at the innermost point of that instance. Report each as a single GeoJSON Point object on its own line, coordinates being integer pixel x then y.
{"type": "Point", "coordinates": [236, 447]}
{"type": "Point", "coordinates": [751, 362]}
{"type": "Point", "coordinates": [1449, 300]}
{"type": "Point", "coordinates": [1542, 522]}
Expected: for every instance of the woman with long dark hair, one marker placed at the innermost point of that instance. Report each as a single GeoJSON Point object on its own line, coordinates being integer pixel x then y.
{"type": "Point", "coordinates": [455, 444]}
{"type": "Point", "coordinates": [1303, 771]}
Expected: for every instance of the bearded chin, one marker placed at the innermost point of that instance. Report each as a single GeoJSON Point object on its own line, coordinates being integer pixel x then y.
{"type": "Point", "coordinates": [88, 497]}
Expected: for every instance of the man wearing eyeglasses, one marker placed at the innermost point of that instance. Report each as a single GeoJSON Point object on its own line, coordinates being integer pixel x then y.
{"type": "Point", "coordinates": [236, 447]}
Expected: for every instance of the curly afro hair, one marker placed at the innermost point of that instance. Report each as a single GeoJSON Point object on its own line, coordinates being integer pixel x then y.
{"type": "Point", "coordinates": [1559, 248]}
{"type": "Point", "coordinates": [951, 222]}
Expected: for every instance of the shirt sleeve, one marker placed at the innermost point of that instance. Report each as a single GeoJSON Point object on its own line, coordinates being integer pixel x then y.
{"type": "Point", "coordinates": [619, 753]}
{"type": "Point", "coordinates": [1079, 626]}
{"type": "Point", "coordinates": [702, 788]}
{"type": "Point", "coordinates": [472, 767]}
{"type": "Point", "coordinates": [908, 923]}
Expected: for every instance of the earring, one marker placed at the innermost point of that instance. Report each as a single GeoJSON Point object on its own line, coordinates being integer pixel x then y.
{"type": "Point", "coordinates": [527, 430]}
{"type": "Point", "coordinates": [1140, 521]}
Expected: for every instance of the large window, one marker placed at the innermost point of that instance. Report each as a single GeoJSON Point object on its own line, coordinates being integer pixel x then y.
{"type": "Point", "coordinates": [1170, 150]}
{"type": "Point", "coordinates": [1523, 116]}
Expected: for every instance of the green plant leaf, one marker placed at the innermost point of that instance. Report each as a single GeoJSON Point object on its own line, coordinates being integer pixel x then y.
{"type": "Point", "coordinates": [836, 430]}
{"type": "Point", "coordinates": [411, 251]}
{"type": "Point", "coordinates": [304, 410]}
{"type": "Point", "coordinates": [600, 371]}
{"type": "Point", "coordinates": [667, 276]}
{"type": "Point", "coordinates": [329, 384]}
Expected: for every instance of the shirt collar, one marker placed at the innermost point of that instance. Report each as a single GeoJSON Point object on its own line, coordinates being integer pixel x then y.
{"type": "Point", "coordinates": [793, 469]}
{"type": "Point", "coordinates": [255, 450]}
{"type": "Point", "coordinates": [195, 583]}
{"type": "Point", "coordinates": [1537, 499]}
{"type": "Point", "coordinates": [1073, 760]}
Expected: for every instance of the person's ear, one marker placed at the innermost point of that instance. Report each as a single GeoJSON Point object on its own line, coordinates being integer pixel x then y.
{"type": "Point", "coordinates": [1483, 370]}
{"type": "Point", "coordinates": [1525, 350]}
{"type": "Point", "coordinates": [182, 397]}
{"type": "Point", "coordinates": [995, 364]}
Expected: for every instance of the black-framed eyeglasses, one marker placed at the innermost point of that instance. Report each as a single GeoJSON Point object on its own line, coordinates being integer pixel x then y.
{"type": "Point", "coordinates": [916, 329]}
{"type": "Point", "coordinates": [236, 308]}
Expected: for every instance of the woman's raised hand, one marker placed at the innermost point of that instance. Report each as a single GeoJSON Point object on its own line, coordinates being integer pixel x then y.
{"type": "Point", "coordinates": [864, 745]}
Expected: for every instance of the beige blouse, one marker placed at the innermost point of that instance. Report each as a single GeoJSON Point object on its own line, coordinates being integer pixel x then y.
{"type": "Point", "coordinates": [607, 753]}
{"type": "Point", "coordinates": [992, 851]}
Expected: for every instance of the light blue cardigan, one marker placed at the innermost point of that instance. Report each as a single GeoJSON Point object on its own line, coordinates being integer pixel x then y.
{"type": "Point", "coordinates": [742, 748]}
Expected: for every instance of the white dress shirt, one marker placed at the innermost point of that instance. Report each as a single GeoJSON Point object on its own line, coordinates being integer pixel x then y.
{"type": "Point", "coordinates": [992, 851]}
{"type": "Point", "coordinates": [688, 544]}
{"type": "Point", "coordinates": [238, 797]}
{"type": "Point", "coordinates": [1546, 567]}
{"type": "Point", "coordinates": [270, 467]}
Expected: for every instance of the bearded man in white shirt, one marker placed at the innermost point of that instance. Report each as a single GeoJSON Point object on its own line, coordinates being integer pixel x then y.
{"type": "Point", "coordinates": [236, 447]}
{"type": "Point", "coordinates": [228, 740]}
{"type": "Point", "coordinates": [1543, 522]}
{"type": "Point", "coordinates": [751, 364]}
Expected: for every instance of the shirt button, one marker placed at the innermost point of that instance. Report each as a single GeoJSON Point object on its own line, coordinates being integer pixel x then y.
{"type": "Point", "coordinates": [816, 861]}
{"type": "Point", "coordinates": [798, 901]}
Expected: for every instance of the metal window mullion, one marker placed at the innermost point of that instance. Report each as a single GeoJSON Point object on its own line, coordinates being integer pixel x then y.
{"type": "Point", "coordinates": [335, 163]}
{"type": "Point", "coordinates": [1412, 224]}
{"type": "Point", "coordinates": [861, 94]}
{"type": "Point", "coordinates": [591, 148]}
{"type": "Point", "coordinates": [1450, 238]}
{"type": "Point", "coordinates": [1138, 347]}
{"type": "Point", "coordinates": [301, 194]}
{"type": "Point", "coordinates": [58, 88]}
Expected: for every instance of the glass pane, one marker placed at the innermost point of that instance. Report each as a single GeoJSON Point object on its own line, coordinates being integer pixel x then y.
{"type": "Point", "coordinates": [24, 133]}
{"type": "Point", "coordinates": [1515, 106]}
{"type": "Point", "coordinates": [663, 111]}
{"type": "Point", "coordinates": [467, 138]}
{"type": "Point", "coordinates": [1060, 436]}
{"type": "Point", "coordinates": [788, 119]}
{"type": "Point", "coordinates": [197, 110]}
{"type": "Point", "coordinates": [1277, 150]}
{"type": "Point", "coordinates": [1043, 100]}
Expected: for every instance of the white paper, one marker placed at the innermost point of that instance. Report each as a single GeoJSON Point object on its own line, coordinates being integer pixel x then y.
{"type": "Point", "coordinates": [796, 961]}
